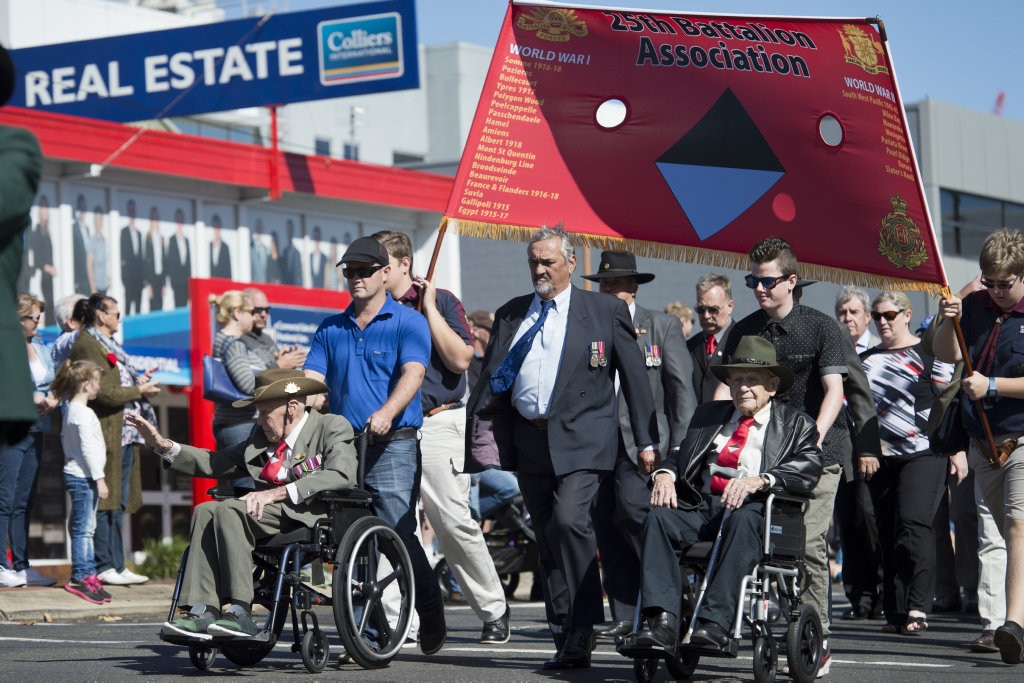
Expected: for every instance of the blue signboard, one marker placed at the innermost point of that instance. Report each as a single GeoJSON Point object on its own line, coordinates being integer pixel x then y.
{"type": "Point", "coordinates": [276, 59]}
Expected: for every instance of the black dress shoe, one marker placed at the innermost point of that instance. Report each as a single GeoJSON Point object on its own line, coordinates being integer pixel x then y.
{"type": "Point", "coordinates": [497, 630]}
{"type": "Point", "coordinates": [986, 642]}
{"type": "Point", "coordinates": [433, 631]}
{"type": "Point", "coordinates": [710, 633]}
{"type": "Point", "coordinates": [855, 614]}
{"type": "Point", "coordinates": [1009, 638]}
{"type": "Point", "coordinates": [575, 654]}
{"type": "Point", "coordinates": [617, 628]}
{"type": "Point", "coordinates": [661, 632]}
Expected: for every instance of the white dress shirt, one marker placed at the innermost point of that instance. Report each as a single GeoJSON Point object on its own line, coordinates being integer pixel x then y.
{"type": "Point", "coordinates": [531, 392]}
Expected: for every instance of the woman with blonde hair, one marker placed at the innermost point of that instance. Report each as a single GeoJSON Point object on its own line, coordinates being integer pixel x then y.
{"type": "Point", "coordinates": [234, 315]}
{"type": "Point", "coordinates": [19, 462]}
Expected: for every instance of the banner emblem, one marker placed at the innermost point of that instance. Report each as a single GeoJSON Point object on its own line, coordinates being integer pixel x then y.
{"type": "Point", "coordinates": [556, 25]}
{"type": "Point", "coordinates": [862, 49]}
{"type": "Point", "coordinates": [900, 238]}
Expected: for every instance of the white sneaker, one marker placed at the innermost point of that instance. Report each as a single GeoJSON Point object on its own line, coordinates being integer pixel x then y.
{"type": "Point", "coordinates": [129, 577]}
{"type": "Point", "coordinates": [112, 577]}
{"type": "Point", "coordinates": [10, 578]}
{"type": "Point", "coordinates": [34, 578]}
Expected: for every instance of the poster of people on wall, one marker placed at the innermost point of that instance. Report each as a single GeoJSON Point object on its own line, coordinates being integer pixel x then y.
{"type": "Point", "coordinates": [221, 236]}
{"type": "Point", "coordinates": [39, 265]}
{"type": "Point", "coordinates": [294, 249]}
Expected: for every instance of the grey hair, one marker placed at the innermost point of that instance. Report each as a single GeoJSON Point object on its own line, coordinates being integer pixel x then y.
{"type": "Point", "coordinates": [706, 282]}
{"type": "Point", "coordinates": [546, 233]}
{"type": "Point", "coordinates": [847, 294]}
{"type": "Point", "coordinates": [65, 307]}
{"type": "Point", "coordinates": [897, 299]}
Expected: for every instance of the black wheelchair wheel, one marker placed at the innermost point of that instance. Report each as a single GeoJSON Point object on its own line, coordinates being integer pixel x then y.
{"type": "Point", "coordinates": [371, 559]}
{"type": "Point", "coordinates": [509, 583]}
{"type": "Point", "coordinates": [440, 573]}
{"type": "Point", "coordinates": [201, 656]}
{"type": "Point", "coordinates": [803, 645]}
{"type": "Point", "coordinates": [766, 659]}
{"type": "Point", "coordinates": [682, 665]}
{"type": "Point", "coordinates": [315, 650]}
{"type": "Point", "coordinates": [645, 669]}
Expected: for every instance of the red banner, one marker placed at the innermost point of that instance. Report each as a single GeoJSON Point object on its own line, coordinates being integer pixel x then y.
{"type": "Point", "coordinates": [695, 136]}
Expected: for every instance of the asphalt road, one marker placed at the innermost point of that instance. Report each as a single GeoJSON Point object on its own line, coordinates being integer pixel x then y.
{"type": "Point", "coordinates": [119, 650]}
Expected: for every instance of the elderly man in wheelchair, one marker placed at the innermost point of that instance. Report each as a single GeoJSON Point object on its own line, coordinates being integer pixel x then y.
{"type": "Point", "coordinates": [733, 456]}
{"type": "Point", "coordinates": [294, 454]}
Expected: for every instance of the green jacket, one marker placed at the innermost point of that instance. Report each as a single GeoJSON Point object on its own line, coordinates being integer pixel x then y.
{"type": "Point", "coordinates": [20, 165]}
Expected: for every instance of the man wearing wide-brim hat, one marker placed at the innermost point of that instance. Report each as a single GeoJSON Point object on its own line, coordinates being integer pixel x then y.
{"type": "Point", "coordinates": [734, 451]}
{"type": "Point", "coordinates": [623, 501]}
{"type": "Point", "coordinates": [293, 454]}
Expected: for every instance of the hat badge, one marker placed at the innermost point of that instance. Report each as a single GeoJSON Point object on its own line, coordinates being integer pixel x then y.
{"type": "Point", "coordinates": [291, 388]}
{"type": "Point", "coordinates": [606, 265]}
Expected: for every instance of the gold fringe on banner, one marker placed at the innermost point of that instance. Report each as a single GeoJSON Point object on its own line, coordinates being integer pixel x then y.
{"type": "Point", "coordinates": [698, 255]}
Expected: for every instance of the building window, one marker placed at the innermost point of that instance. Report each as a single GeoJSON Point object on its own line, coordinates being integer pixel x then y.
{"type": "Point", "coordinates": [403, 159]}
{"type": "Point", "coordinates": [351, 151]}
{"type": "Point", "coordinates": [322, 147]}
{"type": "Point", "coordinates": [968, 219]}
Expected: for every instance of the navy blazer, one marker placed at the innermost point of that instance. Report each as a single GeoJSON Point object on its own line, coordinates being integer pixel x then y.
{"type": "Point", "coordinates": [582, 420]}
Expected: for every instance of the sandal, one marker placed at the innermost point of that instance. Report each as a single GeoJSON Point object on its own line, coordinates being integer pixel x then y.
{"type": "Point", "coordinates": [890, 628]}
{"type": "Point", "coordinates": [915, 626]}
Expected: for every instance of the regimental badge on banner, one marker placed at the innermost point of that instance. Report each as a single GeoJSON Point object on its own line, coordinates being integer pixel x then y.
{"type": "Point", "coordinates": [652, 356]}
{"type": "Point", "coordinates": [305, 465]}
{"type": "Point", "coordinates": [597, 357]}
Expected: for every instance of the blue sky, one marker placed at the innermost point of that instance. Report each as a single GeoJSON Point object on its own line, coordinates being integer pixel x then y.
{"type": "Point", "coordinates": [963, 53]}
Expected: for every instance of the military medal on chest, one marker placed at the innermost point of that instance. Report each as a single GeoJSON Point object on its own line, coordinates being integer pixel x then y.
{"type": "Point", "coordinates": [597, 357]}
{"type": "Point", "coordinates": [652, 355]}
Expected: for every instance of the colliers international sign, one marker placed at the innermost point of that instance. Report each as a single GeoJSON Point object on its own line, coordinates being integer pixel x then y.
{"type": "Point", "coordinates": [275, 59]}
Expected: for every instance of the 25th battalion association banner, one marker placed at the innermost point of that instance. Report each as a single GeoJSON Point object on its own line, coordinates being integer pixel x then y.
{"type": "Point", "coordinates": [695, 136]}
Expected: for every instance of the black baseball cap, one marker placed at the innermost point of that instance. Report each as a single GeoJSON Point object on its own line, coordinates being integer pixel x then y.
{"type": "Point", "coordinates": [366, 250]}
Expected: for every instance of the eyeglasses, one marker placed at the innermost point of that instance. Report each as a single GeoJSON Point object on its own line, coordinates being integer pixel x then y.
{"type": "Point", "coordinates": [712, 310]}
{"type": "Point", "coordinates": [888, 315]}
{"type": "Point", "coordinates": [257, 310]}
{"type": "Point", "coordinates": [351, 273]}
{"type": "Point", "coordinates": [768, 283]}
{"type": "Point", "coordinates": [250, 311]}
{"type": "Point", "coordinates": [33, 318]}
{"type": "Point", "coordinates": [116, 314]}
{"type": "Point", "coordinates": [1001, 285]}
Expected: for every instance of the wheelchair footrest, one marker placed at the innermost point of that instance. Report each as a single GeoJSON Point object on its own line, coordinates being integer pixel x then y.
{"type": "Point", "coordinates": [629, 648]}
{"type": "Point", "coordinates": [731, 652]}
{"type": "Point", "coordinates": [186, 641]}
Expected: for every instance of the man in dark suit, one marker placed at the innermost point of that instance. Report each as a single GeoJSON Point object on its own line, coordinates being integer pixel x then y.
{"type": "Point", "coordinates": [734, 452]}
{"type": "Point", "coordinates": [133, 264]}
{"type": "Point", "coordinates": [624, 498]}
{"type": "Point", "coordinates": [317, 261]}
{"type": "Point", "coordinates": [220, 254]}
{"type": "Point", "coordinates": [714, 312]}
{"type": "Point", "coordinates": [295, 454]}
{"type": "Point", "coordinates": [178, 265]}
{"type": "Point", "coordinates": [154, 257]}
{"type": "Point", "coordinates": [290, 260]}
{"type": "Point", "coordinates": [546, 409]}
{"type": "Point", "coordinates": [80, 248]}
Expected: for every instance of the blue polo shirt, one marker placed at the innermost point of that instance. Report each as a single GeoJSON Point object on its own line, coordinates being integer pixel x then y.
{"type": "Point", "coordinates": [1005, 415]}
{"type": "Point", "coordinates": [362, 367]}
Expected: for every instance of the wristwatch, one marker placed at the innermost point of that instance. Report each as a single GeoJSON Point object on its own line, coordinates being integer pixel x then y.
{"type": "Point", "coordinates": [767, 482]}
{"type": "Point", "coordinates": [992, 391]}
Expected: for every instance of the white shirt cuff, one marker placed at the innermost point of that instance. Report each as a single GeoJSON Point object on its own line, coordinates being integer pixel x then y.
{"type": "Point", "coordinates": [293, 492]}
{"type": "Point", "coordinates": [170, 453]}
{"type": "Point", "coordinates": [668, 472]}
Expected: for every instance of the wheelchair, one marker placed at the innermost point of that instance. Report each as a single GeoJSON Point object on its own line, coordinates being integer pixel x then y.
{"type": "Point", "coordinates": [768, 594]}
{"type": "Point", "coordinates": [368, 557]}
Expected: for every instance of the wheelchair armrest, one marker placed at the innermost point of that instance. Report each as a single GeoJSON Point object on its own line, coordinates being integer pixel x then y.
{"type": "Point", "coordinates": [791, 496]}
{"type": "Point", "coordinates": [221, 492]}
{"type": "Point", "coordinates": [350, 496]}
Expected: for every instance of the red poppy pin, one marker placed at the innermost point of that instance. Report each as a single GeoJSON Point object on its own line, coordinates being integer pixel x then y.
{"type": "Point", "coordinates": [112, 359]}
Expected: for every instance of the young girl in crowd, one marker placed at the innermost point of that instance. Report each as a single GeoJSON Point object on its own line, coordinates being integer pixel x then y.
{"type": "Point", "coordinates": [78, 382]}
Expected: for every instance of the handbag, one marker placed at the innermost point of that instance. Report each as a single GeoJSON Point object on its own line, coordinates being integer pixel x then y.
{"type": "Point", "coordinates": [217, 384]}
{"type": "Point", "coordinates": [948, 437]}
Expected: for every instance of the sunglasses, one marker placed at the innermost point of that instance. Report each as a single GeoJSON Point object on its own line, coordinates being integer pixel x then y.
{"type": "Point", "coordinates": [712, 310]}
{"type": "Point", "coordinates": [1002, 285]}
{"type": "Point", "coordinates": [33, 318]}
{"type": "Point", "coordinates": [768, 283]}
{"type": "Point", "coordinates": [116, 314]}
{"type": "Point", "coordinates": [257, 310]}
{"type": "Point", "coordinates": [888, 315]}
{"type": "Point", "coordinates": [351, 273]}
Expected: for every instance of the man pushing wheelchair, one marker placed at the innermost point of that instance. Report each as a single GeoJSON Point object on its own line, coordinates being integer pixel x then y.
{"type": "Point", "coordinates": [733, 454]}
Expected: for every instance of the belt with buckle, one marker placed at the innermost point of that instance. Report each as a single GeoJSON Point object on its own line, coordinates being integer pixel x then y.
{"type": "Point", "coordinates": [441, 408]}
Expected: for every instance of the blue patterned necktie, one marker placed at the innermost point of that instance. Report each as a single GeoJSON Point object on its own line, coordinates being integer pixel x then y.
{"type": "Point", "coordinates": [506, 373]}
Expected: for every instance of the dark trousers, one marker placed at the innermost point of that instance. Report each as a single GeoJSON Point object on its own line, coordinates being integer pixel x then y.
{"type": "Point", "coordinates": [956, 559]}
{"type": "Point", "coordinates": [560, 511]}
{"type": "Point", "coordinates": [862, 567]}
{"type": "Point", "coordinates": [667, 534]}
{"type": "Point", "coordinates": [906, 492]}
{"type": "Point", "coordinates": [108, 543]}
{"type": "Point", "coordinates": [622, 506]}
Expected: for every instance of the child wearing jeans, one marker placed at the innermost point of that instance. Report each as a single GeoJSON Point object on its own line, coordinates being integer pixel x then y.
{"type": "Point", "coordinates": [78, 382]}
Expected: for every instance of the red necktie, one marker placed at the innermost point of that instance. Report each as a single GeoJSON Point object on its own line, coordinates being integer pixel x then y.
{"type": "Point", "coordinates": [709, 346]}
{"type": "Point", "coordinates": [272, 470]}
{"type": "Point", "coordinates": [729, 456]}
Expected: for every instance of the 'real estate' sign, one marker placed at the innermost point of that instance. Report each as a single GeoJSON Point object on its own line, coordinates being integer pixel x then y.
{"type": "Point", "coordinates": [276, 59]}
